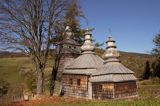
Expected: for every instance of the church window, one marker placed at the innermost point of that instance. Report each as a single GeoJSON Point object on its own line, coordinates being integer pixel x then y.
{"type": "Point", "coordinates": [70, 81]}
{"type": "Point", "coordinates": [78, 82]}
{"type": "Point", "coordinates": [69, 46]}
{"type": "Point", "coordinates": [100, 87]}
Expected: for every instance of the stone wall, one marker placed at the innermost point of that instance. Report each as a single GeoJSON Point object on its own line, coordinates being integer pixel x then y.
{"type": "Point", "coordinates": [75, 85]}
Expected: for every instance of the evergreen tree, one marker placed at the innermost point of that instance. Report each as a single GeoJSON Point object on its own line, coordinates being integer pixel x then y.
{"type": "Point", "coordinates": [156, 52]}
{"type": "Point", "coordinates": [147, 72]}
{"type": "Point", "coordinates": [156, 42]}
{"type": "Point", "coordinates": [156, 68]}
{"type": "Point", "coordinates": [72, 15]}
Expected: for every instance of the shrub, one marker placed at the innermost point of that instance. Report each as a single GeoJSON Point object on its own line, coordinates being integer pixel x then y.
{"type": "Point", "coordinates": [4, 87]}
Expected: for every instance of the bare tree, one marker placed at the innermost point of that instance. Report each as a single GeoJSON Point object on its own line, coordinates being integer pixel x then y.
{"type": "Point", "coordinates": [29, 25]}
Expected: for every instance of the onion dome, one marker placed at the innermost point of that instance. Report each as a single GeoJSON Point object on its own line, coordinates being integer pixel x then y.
{"type": "Point", "coordinates": [111, 54]}
{"type": "Point", "coordinates": [68, 45]}
{"type": "Point", "coordinates": [68, 37]}
{"type": "Point", "coordinates": [87, 47]}
{"type": "Point", "coordinates": [68, 32]}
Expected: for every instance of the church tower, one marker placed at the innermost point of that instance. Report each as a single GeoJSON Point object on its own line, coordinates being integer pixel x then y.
{"type": "Point", "coordinates": [68, 49]}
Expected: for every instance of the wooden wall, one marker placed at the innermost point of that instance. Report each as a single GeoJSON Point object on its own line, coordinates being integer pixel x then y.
{"type": "Point", "coordinates": [103, 90]}
{"type": "Point", "coordinates": [114, 90]}
{"type": "Point", "coordinates": [125, 89]}
{"type": "Point", "coordinates": [74, 89]}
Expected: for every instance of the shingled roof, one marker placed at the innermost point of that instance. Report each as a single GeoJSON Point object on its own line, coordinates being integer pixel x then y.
{"type": "Point", "coordinates": [112, 70]}
{"type": "Point", "coordinates": [108, 70]}
{"type": "Point", "coordinates": [87, 60]}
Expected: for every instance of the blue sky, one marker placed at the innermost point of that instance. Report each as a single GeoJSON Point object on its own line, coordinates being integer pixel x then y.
{"type": "Point", "coordinates": [133, 22]}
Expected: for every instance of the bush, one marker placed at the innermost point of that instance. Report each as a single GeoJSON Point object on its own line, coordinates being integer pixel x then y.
{"type": "Point", "coordinates": [29, 78]}
{"type": "Point", "coordinates": [4, 87]}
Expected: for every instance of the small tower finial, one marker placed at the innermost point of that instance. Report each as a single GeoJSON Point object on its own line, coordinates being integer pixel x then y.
{"type": "Point", "coordinates": [111, 54]}
{"type": "Point", "coordinates": [87, 47]}
{"type": "Point", "coordinates": [110, 32]}
{"type": "Point", "coordinates": [68, 32]}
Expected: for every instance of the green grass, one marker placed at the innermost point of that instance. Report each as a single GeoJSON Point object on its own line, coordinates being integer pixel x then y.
{"type": "Point", "coordinates": [10, 67]}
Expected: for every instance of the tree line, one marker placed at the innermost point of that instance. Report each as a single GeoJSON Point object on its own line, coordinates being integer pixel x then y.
{"type": "Point", "coordinates": [155, 66]}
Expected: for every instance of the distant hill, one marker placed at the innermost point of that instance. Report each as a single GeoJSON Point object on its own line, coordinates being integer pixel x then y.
{"type": "Point", "coordinates": [4, 54]}
{"type": "Point", "coordinates": [133, 61]}
{"type": "Point", "coordinates": [136, 61]}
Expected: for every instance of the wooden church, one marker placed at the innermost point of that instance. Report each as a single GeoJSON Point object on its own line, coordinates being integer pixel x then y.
{"type": "Point", "coordinates": [89, 76]}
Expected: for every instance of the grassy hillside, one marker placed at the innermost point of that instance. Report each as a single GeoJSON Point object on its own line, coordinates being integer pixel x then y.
{"type": "Point", "coordinates": [136, 61]}
{"type": "Point", "coordinates": [10, 69]}
{"type": "Point", "coordinates": [10, 66]}
{"type": "Point", "coordinates": [133, 61]}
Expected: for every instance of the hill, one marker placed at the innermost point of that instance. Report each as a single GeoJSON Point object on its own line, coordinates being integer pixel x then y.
{"type": "Point", "coordinates": [11, 64]}
{"type": "Point", "coordinates": [136, 61]}
{"type": "Point", "coordinates": [4, 54]}
{"type": "Point", "coordinates": [133, 61]}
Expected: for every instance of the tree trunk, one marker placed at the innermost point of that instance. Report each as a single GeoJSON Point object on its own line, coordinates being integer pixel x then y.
{"type": "Point", "coordinates": [40, 81]}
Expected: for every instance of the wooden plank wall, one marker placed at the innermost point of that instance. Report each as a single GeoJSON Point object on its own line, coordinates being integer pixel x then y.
{"type": "Point", "coordinates": [114, 90]}
{"type": "Point", "coordinates": [75, 90]}
{"type": "Point", "coordinates": [103, 90]}
{"type": "Point", "coordinates": [125, 89]}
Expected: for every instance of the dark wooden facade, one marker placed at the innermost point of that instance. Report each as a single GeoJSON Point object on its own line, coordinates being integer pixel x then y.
{"type": "Point", "coordinates": [114, 90]}
{"type": "Point", "coordinates": [125, 89]}
{"type": "Point", "coordinates": [103, 90]}
{"type": "Point", "coordinates": [75, 85]}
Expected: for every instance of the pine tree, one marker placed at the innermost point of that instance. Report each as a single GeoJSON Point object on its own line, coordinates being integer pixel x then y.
{"type": "Point", "coordinates": [156, 68]}
{"type": "Point", "coordinates": [156, 52]}
{"type": "Point", "coordinates": [147, 71]}
{"type": "Point", "coordinates": [156, 42]}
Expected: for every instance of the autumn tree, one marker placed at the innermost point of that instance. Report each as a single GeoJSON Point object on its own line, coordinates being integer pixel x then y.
{"type": "Point", "coordinates": [28, 26]}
